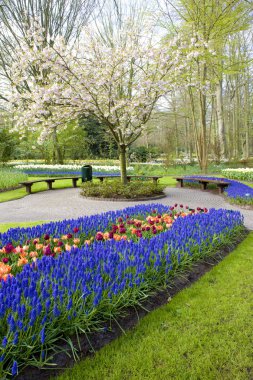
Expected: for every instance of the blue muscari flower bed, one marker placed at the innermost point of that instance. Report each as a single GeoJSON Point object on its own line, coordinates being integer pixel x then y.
{"type": "Point", "coordinates": [235, 189]}
{"type": "Point", "coordinates": [83, 287]}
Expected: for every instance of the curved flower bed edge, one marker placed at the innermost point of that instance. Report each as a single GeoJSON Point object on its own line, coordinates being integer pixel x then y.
{"type": "Point", "coordinates": [237, 192]}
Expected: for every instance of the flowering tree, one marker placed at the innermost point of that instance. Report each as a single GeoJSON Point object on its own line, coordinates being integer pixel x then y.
{"type": "Point", "coordinates": [118, 83]}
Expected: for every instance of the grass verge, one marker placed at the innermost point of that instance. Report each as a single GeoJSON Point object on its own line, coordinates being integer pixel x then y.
{"type": "Point", "coordinates": [205, 332]}
{"type": "Point", "coordinates": [5, 226]}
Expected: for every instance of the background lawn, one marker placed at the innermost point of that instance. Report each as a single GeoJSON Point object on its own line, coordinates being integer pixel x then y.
{"type": "Point", "coordinates": [205, 332]}
{"type": "Point", "coordinates": [65, 183]}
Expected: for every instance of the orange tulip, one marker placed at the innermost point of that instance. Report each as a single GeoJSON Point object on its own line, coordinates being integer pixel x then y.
{"type": "Point", "coordinates": [22, 261]}
{"type": "Point", "coordinates": [5, 276]}
{"type": "Point", "coordinates": [106, 235]}
{"type": "Point", "coordinates": [33, 254]}
{"type": "Point", "coordinates": [57, 249]}
{"type": "Point", "coordinates": [4, 269]}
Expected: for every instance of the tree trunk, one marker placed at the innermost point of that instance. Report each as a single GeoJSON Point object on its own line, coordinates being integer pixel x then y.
{"type": "Point", "coordinates": [57, 149]}
{"type": "Point", "coordinates": [122, 159]}
{"type": "Point", "coordinates": [203, 136]}
{"type": "Point", "coordinates": [220, 120]}
{"type": "Point", "coordinates": [175, 124]}
{"type": "Point", "coordinates": [246, 120]}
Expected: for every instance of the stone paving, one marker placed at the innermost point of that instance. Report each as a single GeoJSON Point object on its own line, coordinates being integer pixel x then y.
{"type": "Point", "coordinates": [68, 203]}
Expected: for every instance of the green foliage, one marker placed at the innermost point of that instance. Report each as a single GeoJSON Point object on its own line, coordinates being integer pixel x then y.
{"type": "Point", "coordinates": [143, 154]}
{"type": "Point", "coordinates": [8, 144]}
{"type": "Point", "coordinates": [176, 169]}
{"type": "Point", "coordinates": [113, 188]}
{"type": "Point", "coordinates": [10, 178]}
{"type": "Point", "coordinates": [241, 201]}
{"type": "Point", "coordinates": [204, 332]}
{"type": "Point", "coordinates": [97, 142]}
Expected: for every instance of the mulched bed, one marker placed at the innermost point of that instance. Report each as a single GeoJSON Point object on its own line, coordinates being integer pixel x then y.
{"type": "Point", "coordinates": [119, 198]}
{"type": "Point", "coordinates": [132, 316]}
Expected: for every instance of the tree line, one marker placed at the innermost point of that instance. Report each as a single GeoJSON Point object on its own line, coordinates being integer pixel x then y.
{"type": "Point", "coordinates": [205, 111]}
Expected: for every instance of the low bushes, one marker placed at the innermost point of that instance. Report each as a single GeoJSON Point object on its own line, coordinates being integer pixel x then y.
{"type": "Point", "coordinates": [115, 189]}
{"type": "Point", "coordinates": [10, 178]}
{"type": "Point", "coordinates": [78, 290]}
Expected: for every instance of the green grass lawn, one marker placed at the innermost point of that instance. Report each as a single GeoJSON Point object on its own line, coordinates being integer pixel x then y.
{"type": "Point", "coordinates": [204, 333]}
{"type": "Point", "coordinates": [5, 226]}
{"type": "Point", "coordinates": [41, 186]}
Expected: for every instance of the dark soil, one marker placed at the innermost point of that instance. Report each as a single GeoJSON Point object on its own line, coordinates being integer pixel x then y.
{"type": "Point", "coordinates": [132, 316]}
{"type": "Point", "coordinates": [118, 198]}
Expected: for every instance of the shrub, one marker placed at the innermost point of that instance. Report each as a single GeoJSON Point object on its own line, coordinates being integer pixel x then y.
{"type": "Point", "coordinates": [115, 189]}
{"type": "Point", "coordinates": [143, 154]}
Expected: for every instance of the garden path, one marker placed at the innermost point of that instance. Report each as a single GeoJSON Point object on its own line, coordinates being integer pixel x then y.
{"type": "Point", "coordinates": [68, 203]}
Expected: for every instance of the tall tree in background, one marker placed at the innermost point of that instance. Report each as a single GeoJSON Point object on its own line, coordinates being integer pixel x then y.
{"type": "Point", "coordinates": [213, 22]}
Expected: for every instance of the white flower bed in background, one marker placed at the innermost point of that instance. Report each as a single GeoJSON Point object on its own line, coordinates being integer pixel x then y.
{"type": "Point", "coordinates": [74, 167]}
{"type": "Point", "coordinates": [243, 174]}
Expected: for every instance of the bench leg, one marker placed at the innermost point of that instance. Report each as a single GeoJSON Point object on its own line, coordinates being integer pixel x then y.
{"type": "Point", "coordinates": [28, 189]}
{"type": "Point", "coordinates": [74, 182]}
{"type": "Point", "coordinates": [50, 185]}
{"type": "Point", "coordinates": [221, 189]}
{"type": "Point", "coordinates": [203, 185]}
{"type": "Point", "coordinates": [128, 179]}
{"type": "Point", "coordinates": [101, 179]}
{"type": "Point", "coordinates": [181, 182]}
{"type": "Point", "coordinates": [155, 181]}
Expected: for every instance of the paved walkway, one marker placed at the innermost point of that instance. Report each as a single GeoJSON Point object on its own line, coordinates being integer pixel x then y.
{"type": "Point", "coordinates": [68, 203]}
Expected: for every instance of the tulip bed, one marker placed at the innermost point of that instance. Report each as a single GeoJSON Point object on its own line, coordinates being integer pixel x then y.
{"type": "Point", "coordinates": [104, 263]}
{"type": "Point", "coordinates": [236, 192]}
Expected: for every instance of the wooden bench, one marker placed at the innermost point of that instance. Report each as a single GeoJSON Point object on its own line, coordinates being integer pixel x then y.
{"type": "Point", "coordinates": [49, 181]}
{"type": "Point", "coordinates": [129, 177]}
{"type": "Point", "coordinates": [204, 182]}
